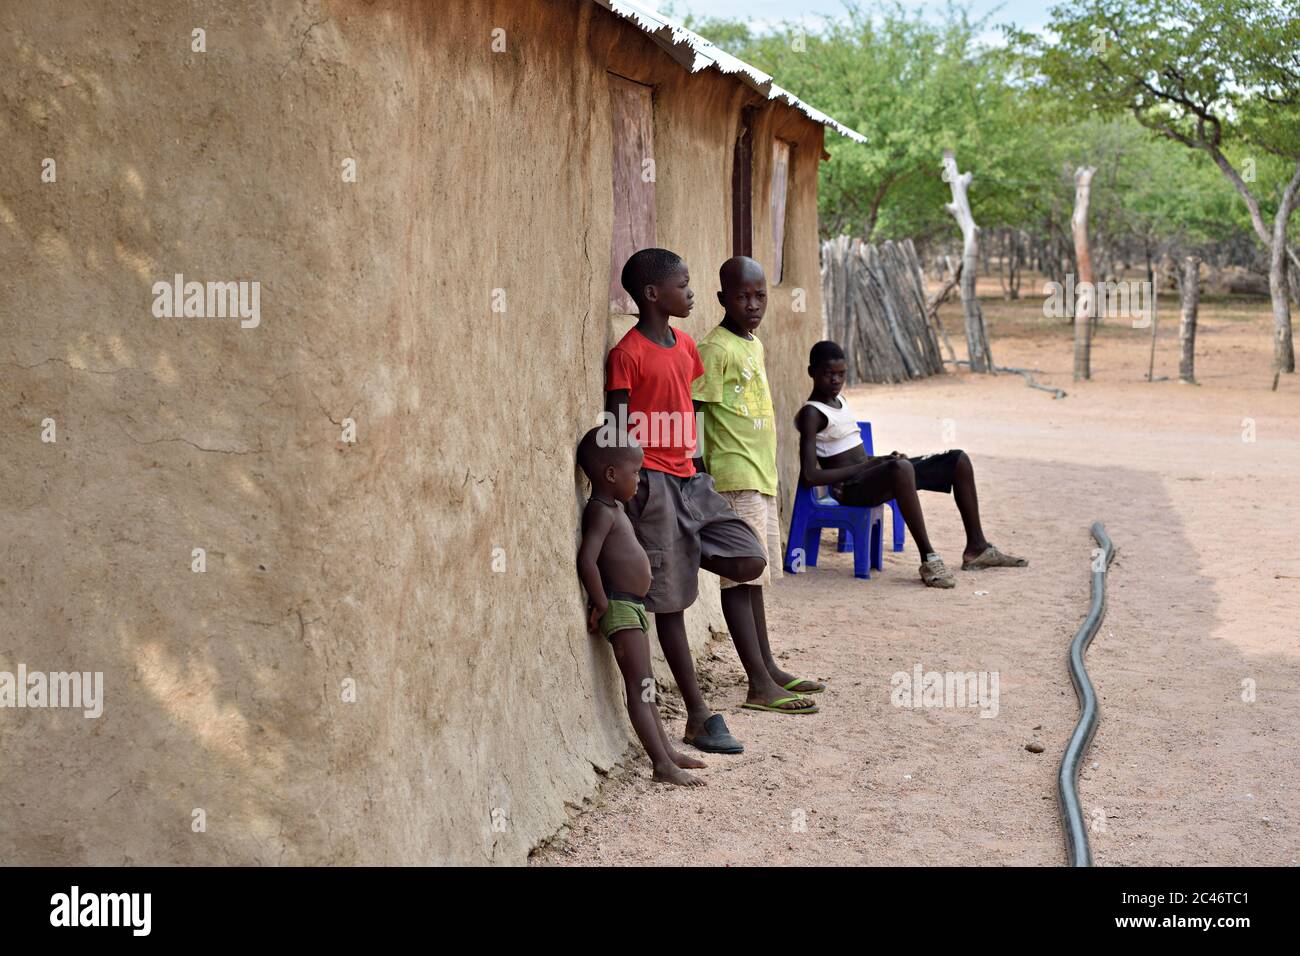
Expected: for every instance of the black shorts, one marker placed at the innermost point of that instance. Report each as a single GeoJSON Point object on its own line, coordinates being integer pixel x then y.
{"type": "Point", "coordinates": [874, 487]}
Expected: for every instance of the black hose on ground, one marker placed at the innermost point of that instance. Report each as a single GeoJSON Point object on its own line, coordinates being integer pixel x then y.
{"type": "Point", "coordinates": [1076, 832]}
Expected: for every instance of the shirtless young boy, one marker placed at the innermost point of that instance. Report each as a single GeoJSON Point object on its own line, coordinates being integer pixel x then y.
{"type": "Point", "coordinates": [831, 453]}
{"type": "Point", "coordinates": [615, 570]}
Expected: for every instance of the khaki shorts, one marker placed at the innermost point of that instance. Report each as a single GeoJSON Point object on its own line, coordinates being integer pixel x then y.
{"type": "Point", "coordinates": [760, 513]}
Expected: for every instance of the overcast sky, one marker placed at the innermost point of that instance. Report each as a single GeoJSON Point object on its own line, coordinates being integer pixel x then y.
{"type": "Point", "coordinates": [1030, 14]}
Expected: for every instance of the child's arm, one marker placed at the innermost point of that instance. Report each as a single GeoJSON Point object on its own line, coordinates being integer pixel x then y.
{"type": "Point", "coordinates": [698, 460]}
{"type": "Point", "coordinates": [621, 374]}
{"type": "Point", "coordinates": [809, 422]}
{"type": "Point", "coordinates": [597, 520]}
{"type": "Point", "coordinates": [616, 403]}
{"type": "Point", "coordinates": [706, 389]}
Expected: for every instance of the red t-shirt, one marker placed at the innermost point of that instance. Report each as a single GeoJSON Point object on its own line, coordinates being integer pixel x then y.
{"type": "Point", "coordinates": [660, 415]}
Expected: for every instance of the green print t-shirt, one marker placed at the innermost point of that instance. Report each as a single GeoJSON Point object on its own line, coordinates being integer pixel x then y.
{"type": "Point", "coordinates": [738, 430]}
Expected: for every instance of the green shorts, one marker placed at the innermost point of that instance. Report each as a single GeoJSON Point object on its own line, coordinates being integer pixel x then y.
{"type": "Point", "coordinates": [622, 616]}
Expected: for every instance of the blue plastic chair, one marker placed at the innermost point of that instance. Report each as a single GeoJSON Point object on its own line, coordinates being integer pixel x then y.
{"type": "Point", "coordinates": [861, 529]}
{"type": "Point", "coordinates": [812, 514]}
{"type": "Point", "coordinates": [896, 524]}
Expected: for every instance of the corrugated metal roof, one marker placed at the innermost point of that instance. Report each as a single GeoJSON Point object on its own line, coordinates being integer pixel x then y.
{"type": "Point", "coordinates": [696, 53]}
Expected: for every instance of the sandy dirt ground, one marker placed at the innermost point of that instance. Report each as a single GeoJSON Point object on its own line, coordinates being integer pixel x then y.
{"type": "Point", "coordinates": [1188, 766]}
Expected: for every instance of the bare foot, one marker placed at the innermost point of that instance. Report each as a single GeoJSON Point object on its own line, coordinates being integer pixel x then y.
{"type": "Point", "coordinates": [687, 763]}
{"type": "Point", "coordinates": [673, 774]}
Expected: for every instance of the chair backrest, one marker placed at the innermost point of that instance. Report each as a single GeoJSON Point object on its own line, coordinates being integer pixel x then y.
{"type": "Point", "coordinates": [865, 428]}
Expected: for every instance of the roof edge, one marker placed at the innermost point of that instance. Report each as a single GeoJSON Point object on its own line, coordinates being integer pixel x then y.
{"type": "Point", "coordinates": [696, 53]}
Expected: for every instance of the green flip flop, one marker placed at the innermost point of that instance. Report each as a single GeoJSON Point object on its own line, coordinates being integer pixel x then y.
{"type": "Point", "coordinates": [805, 680]}
{"type": "Point", "coordinates": [776, 708]}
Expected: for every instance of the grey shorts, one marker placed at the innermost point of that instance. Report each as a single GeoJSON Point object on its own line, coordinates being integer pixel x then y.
{"type": "Point", "coordinates": [680, 521]}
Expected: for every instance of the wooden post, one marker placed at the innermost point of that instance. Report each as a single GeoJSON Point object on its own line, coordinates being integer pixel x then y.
{"type": "Point", "coordinates": [1085, 290]}
{"type": "Point", "coordinates": [1015, 266]}
{"type": "Point", "coordinates": [977, 340]}
{"type": "Point", "coordinates": [1187, 321]}
{"type": "Point", "coordinates": [1154, 282]}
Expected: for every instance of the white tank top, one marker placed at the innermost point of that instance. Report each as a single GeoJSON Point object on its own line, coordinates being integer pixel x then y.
{"type": "Point", "coordinates": [841, 432]}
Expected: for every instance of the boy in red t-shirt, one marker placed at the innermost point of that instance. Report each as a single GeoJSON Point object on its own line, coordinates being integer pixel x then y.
{"type": "Point", "coordinates": [681, 521]}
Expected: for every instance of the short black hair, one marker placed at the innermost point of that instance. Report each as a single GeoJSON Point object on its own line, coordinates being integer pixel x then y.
{"type": "Point", "coordinates": [737, 269]}
{"type": "Point", "coordinates": [594, 453]}
{"type": "Point", "coordinates": [824, 352]}
{"type": "Point", "coordinates": [648, 267]}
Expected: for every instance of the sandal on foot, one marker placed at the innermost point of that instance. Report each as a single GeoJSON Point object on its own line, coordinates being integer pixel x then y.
{"type": "Point", "coordinates": [818, 687]}
{"type": "Point", "coordinates": [715, 738]}
{"type": "Point", "coordinates": [991, 557]}
{"type": "Point", "coordinates": [935, 574]}
{"type": "Point", "coordinates": [776, 708]}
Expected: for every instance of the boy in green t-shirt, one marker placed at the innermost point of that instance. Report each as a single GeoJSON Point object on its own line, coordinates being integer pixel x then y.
{"type": "Point", "coordinates": [740, 448]}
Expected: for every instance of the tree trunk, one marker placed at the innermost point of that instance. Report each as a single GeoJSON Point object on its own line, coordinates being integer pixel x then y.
{"type": "Point", "coordinates": [1279, 291]}
{"type": "Point", "coordinates": [1187, 321]}
{"type": "Point", "coordinates": [1293, 275]}
{"type": "Point", "coordinates": [1013, 265]}
{"type": "Point", "coordinates": [1275, 243]}
{"type": "Point", "coordinates": [1002, 265]}
{"type": "Point", "coordinates": [977, 339]}
{"type": "Point", "coordinates": [1086, 301]}
{"type": "Point", "coordinates": [1154, 285]}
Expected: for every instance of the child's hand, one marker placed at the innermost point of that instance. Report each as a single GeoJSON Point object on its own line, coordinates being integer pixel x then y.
{"type": "Point", "coordinates": [594, 616]}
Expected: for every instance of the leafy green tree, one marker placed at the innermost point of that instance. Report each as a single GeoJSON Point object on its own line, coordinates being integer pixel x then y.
{"type": "Point", "coordinates": [1221, 77]}
{"type": "Point", "coordinates": [911, 86]}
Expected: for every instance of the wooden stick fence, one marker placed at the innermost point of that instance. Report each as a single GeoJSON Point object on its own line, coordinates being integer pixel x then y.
{"type": "Point", "coordinates": [875, 305]}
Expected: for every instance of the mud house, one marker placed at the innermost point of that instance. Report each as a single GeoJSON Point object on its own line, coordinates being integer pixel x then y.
{"type": "Point", "coordinates": [325, 561]}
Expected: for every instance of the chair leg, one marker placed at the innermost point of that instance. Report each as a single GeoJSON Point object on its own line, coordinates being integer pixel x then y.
{"type": "Point", "coordinates": [794, 543]}
{"type": "Point", "coordinates": [846, 540]}
{"type": "Point", "coordinates": [897, 525]}
{"type": "Point", "coordinates": [862, 551]}
{"type": "Point", "coordinates": [812, 543]}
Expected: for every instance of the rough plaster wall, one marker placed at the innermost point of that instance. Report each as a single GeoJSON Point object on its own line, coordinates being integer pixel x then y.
{"type": "Point", "coordinates": [697, 118]}
{"type": "Point", "coordinates": [788, 334]}
{"type": "Point", "coordinates": [477, 171]}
